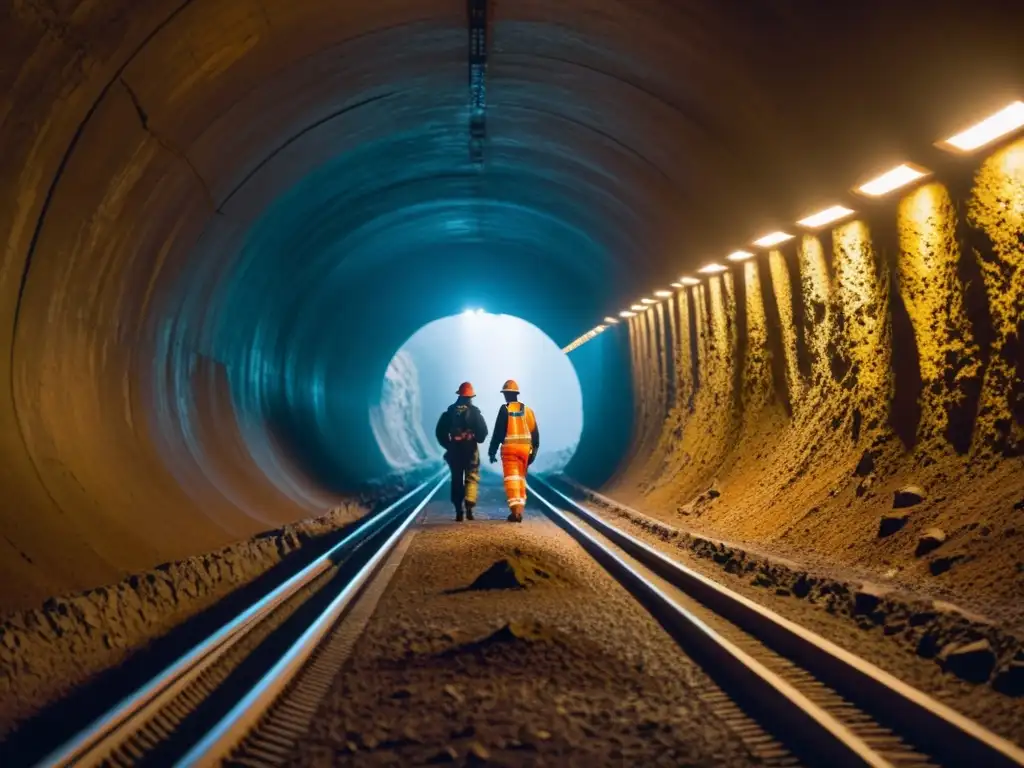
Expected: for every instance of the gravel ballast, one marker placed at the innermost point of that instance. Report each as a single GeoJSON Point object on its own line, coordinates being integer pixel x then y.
{"type": "Point", "coordinates": [960, 658]}
{"type": "Point", "coordinates": [506, 643]}
{"type": "Point", "coordinates": [46, 652]}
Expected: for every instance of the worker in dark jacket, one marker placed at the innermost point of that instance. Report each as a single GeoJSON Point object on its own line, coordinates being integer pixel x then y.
{"type": "Point", "coordinates": [459, 430]}
{"type": "Point", "coordinates": [515, 430]}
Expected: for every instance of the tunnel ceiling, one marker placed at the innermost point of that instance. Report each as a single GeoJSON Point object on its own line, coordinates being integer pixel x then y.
{"type": "Point", "coordinates": [658, 132]}
{"type": "Point", "coordinates": [288, 189]}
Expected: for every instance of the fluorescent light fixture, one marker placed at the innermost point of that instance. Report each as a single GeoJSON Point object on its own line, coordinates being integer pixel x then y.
{"type": "Point", "coordinates": [610, 320]}
{"type": "Point", "coordinates": [677, 285]}
{"type": "Point", "coordinates": [826, 216]}
{"type": "Point", "coordinates": [772, 238]}
{"type": "Point", "coordinates": [711, 269]}
{"type": "Point", "coordinates": [1004, 122]}
{"type": "Point", "coordinates": [892, 180]}
{"type": "Point", "coordinates": [663, 294]}
{"type": "Point", "coordinates": [689, 281]}
{"type": "Point", "coordinates": [740, 256]}
{"type": "Point", "coordinates": [626, 313]}
{"type": "Point", "coordinates": [648, 301]}
{"type": "Point", "coordinates": [638, 307]}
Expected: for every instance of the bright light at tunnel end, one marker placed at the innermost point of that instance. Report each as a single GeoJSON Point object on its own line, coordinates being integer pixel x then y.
{"type": "Point", "coordinates": [422, 377]}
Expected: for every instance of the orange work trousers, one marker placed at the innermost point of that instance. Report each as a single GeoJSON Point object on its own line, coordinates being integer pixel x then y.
{"type": "Point", "coordinates": [514, 460]}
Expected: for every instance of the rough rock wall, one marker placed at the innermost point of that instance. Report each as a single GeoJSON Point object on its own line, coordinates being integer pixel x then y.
{"type": "Point", "coordinates": [45, 652]}
{"type": "Point", "coordinates": [809, 385]}
{"type": "Point", "coordinates": [398, 421]}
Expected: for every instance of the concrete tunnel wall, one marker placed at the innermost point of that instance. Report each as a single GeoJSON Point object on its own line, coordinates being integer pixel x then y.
{"type": "Point", "coordinates": [808, 385]}
{"type": "Point", "coordinates": [221, 219]}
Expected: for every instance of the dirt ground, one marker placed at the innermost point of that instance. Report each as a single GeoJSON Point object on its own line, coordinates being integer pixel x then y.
{"type": "Point", "coordinates": [507, 643]}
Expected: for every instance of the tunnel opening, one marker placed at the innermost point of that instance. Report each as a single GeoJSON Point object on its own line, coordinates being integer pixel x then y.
{"type": "Point", "coordinates": [485, 349]}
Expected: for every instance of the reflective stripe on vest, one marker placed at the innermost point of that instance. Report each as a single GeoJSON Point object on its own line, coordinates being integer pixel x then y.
{"type": "Point", "coordinates": [519, 428]}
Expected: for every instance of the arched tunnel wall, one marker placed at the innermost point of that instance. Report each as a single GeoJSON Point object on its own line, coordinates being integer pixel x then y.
{"type": "Point", "coordinates": [220, 219]}
{"type": "Point", "coordinates": [808, 385]}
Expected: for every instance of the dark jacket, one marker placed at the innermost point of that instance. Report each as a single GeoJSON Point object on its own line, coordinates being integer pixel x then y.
{"type": "Point", "coordinates": [501, 427]}
{"type": "Point", "coordinates": [475, 424]}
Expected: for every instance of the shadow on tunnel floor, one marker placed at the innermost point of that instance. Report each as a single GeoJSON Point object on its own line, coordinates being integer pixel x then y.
{"type": "Point", "coordinates": [36, 737]}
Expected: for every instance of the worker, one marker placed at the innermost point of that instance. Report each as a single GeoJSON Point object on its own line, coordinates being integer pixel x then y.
{"type": "Point", "coordinates": [459, 430]}
{"type": "Point", "coordinates": [515, 430]}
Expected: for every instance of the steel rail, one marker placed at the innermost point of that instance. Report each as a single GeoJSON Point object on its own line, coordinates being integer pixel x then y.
{"type": "Point", "coordinates": [96, 741]}
{"type": "Point", "coordinates": [939, 729]}
{"type": "Point", "coordinates": [229, 731]}
{"type": "Point", "coordinates": [822, 733]}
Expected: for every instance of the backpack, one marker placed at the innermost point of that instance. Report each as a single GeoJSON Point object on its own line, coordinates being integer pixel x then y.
{"type": "Point", "coordinates": [459, 426]}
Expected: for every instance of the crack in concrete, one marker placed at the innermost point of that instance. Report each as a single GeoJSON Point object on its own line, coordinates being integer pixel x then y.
{"type": "Point", "coordinates": [167, 145]}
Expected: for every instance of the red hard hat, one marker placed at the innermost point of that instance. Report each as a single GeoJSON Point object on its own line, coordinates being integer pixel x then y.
{"type": "Point", "coordinates": [510, 386]}
{"type": "Point", "coordinates": [466, 390]}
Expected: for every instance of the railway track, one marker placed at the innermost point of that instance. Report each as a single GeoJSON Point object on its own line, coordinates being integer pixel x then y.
{"type": "Point", "coordinates": [825, 704]}
{"type": "Point", "coordinates": [235, 676]}
{"type": "Point", "coordinates": [248, 694]}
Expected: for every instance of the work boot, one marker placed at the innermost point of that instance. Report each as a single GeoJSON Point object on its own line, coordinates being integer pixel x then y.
{"type": "Point", "coordinates": [469, 511]}
{"type": "Point", "coordinates": [458, 513]}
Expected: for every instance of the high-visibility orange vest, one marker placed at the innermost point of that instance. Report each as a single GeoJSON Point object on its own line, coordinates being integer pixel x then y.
{"type": "Point", "coordinates": [521, 423]}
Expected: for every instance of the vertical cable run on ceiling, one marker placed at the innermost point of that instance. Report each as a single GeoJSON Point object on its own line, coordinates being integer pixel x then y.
{"type": "Point", "coordinates": [478, 18]}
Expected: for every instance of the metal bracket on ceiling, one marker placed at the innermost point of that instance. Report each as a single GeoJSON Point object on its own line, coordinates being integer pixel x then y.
{"type": "Point", "coordinates": [478, 29]}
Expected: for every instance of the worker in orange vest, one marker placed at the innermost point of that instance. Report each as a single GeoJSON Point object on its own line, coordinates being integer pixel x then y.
{"type": "Point", "coordinates": [459, 430]}
{"type": "Point", "coordinates": [515, 430]}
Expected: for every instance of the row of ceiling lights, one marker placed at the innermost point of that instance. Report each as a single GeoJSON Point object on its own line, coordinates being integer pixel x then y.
{"type": "Point", "coordinates": [993, 128]}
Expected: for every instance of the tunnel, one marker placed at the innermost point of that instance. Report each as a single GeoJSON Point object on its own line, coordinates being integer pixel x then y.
{"type": "Point", "coordinates": [223, 220]}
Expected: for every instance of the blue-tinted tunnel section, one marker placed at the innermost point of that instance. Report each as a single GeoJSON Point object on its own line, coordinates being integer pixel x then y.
{"type": "Point", "coordinates": [302, 309]}
{"type": "Point", "coordinates": [484, 349]}
{"type": "Point", "coordinates": [603, 367]}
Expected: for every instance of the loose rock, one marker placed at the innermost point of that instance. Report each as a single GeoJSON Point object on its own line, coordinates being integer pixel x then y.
{"type": "Point", "coordinates": [943, 564]}
{"type": "Point", "coordinates": [478, 753]}
{"type": "Point", "coordinates": [1010, 679]}
{"type": "Point", "coordinates": [865, 485]}
{"type": "Point", "coordinates": [452, 691]}
{"type": "Point", "coordinates": [867, 599]}
{"type": "Point", "coordinates": [973, 662]}
{"type": "Point", "coordinates": [908, 496]}
{"type": "Point", "coordinates": [891, 523]}
{"type": "Point", "coordinates": [929, 541]}
{"type": "Point", "coordinates": [446, 755]}
{"type": "Point", "coordinates": [866, 465]}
